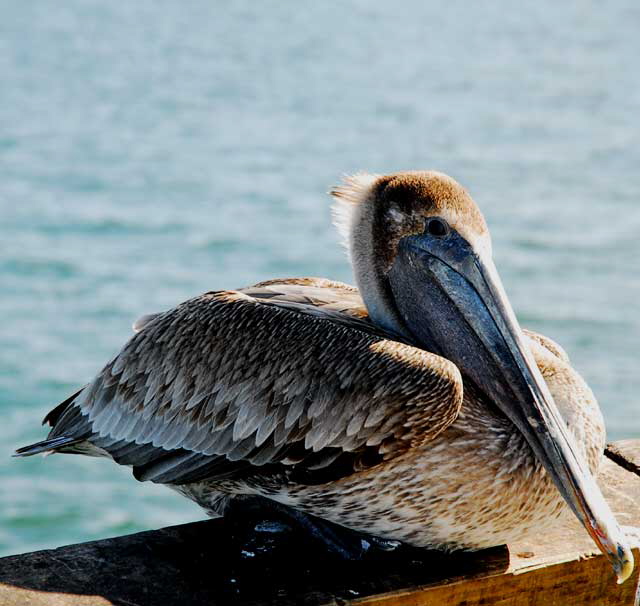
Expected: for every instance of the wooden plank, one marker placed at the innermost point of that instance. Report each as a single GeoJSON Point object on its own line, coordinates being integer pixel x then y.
{"type": "Point", "coordinates": [203, 564]}
{"type": "Point", "coordinates": [217, 562]}
{"type": "Point", "coordinates": [625, 453]}
{"type": "Point", "coordinates": [573, 583]}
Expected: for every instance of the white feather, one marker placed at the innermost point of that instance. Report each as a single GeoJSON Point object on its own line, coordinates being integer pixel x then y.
{"type": "Point", "coordinates": [347, 199]}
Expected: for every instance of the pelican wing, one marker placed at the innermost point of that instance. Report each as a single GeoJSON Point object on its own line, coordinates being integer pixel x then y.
{"type": "Point", "coordinates": [288, 373]}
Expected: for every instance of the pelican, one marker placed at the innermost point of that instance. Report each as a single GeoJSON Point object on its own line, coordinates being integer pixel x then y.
{"type": "Point", "coordinates": [413, 408]}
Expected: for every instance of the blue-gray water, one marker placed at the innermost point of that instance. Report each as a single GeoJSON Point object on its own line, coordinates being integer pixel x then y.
{"type": "Point", "coordinates": [150, 151]}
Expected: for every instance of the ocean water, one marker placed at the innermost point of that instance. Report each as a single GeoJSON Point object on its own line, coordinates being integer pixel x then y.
{"type": "Point", "coordinates": [150, 151]}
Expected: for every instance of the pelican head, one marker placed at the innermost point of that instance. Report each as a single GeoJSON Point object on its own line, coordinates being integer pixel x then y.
{"type": "Point", "coordinates": [421, 255]}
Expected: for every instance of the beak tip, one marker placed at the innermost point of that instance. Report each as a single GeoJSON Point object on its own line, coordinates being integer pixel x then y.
{"type": "Point", "coordinates": [624, 563]}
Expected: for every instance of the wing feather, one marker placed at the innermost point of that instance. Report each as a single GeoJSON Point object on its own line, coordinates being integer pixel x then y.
{"type": "Point", "coordinates": [295, 375]}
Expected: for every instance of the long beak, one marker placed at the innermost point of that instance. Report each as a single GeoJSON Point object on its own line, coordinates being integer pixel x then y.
{"type": "Point", "coordinates": [467, 318]}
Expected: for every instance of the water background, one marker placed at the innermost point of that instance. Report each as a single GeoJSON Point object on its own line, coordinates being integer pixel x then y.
{"type": "Point", "coordinates": [150, 151]}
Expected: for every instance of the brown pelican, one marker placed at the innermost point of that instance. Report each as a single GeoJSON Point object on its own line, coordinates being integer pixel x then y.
{"type": "Point", "coordinates": [421, 412]}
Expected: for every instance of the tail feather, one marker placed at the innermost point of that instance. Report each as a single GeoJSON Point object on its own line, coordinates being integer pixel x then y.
{"type": "Point", "coordinates": [53, 443]}
{"type": "Point", "coordinates": [54, 415]}
{"type": "Point", "coordinates": [49, 445]}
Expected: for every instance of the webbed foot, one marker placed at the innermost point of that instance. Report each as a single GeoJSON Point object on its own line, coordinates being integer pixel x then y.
{"type": "Point", "coordinates": [266, 521]}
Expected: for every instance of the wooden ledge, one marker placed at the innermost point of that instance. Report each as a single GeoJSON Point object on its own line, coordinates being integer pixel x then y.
{"type": "Point", "coordinates": [217, 563]}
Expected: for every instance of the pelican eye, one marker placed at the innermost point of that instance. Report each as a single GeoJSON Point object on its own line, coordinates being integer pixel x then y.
{"type": "Point", "coordinates": [437, 227]}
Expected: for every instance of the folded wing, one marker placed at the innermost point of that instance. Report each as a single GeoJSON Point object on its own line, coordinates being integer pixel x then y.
{"type": "Point", "coordinates": [286, 374]}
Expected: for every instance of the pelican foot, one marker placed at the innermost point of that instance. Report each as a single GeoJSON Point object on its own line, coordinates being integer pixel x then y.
{"type": "Point", "coordinates": [264, 522]}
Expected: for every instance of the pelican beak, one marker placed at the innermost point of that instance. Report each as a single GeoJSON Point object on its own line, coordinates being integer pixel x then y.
{"type": "Point", "coordinates": [465, 316]}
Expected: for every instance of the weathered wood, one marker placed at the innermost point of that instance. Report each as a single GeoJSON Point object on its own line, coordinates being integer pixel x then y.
{"type": "Point", "coordinates": [625, 453]}
{"type": "Point", "coordinates": [217, 562]}
{"type": "Point", "coordinates": [573, 583]}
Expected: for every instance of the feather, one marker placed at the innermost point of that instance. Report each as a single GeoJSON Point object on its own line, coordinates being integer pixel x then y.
{"type": "Point", "coordinates": [259, 381]}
